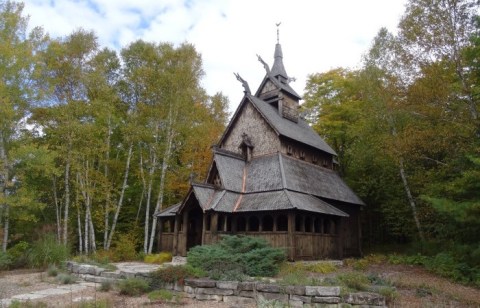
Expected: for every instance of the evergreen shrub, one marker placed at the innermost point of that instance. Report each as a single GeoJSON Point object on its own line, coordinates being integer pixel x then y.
{"type": "Point", "coordinates": [234, 256]}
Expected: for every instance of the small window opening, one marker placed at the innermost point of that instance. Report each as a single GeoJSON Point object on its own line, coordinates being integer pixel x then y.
{"type": "Point", "coordinates": [267, 223]}
{"type": "Point", "coordinates": [241, 224]}
{"type": "Point", "coordinates": [282, 223]}
{"type": "Point", "coordinates": [253, 223]}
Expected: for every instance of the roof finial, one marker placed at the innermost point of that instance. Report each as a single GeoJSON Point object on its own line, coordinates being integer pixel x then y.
{"type": "Point", "coordinates": [278, 32]}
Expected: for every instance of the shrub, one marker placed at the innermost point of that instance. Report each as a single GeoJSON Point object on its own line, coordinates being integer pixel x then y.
{"type": "Point", "coordinates": [158, 295]}
{"type": "Point", "coordinates": [52, 271]}
{"type": "Point", "coordinates": [133, 286]}
{"type": "Point", "coordinates": [5, 261]}
{"type": "Point", "coordinates": [173, 274]}
{"type": "Point", "coordinates": [235, 256]}
{"type": "Point", "coordinates": [105, 286]}
{"type": "Point", "coordinates": [159, 258]}
{"type": "Point", "coordinates": [47, 251]}
{"type": "Point", "coordinates": [19, 254]}
{"type": "Point", "coordinates": [66, 279]}
{"type": "Point", "coordinates": [124, 248]}
{"type": "Point", "coordinates": [356, 281]}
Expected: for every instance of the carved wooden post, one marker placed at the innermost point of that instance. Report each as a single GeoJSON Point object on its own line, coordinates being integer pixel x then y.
{"type": "Point", "coordinates": [291, 234]}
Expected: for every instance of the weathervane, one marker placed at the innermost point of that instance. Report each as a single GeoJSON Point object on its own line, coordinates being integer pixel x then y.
{"type": "Point", "coordinates": [278, 32]}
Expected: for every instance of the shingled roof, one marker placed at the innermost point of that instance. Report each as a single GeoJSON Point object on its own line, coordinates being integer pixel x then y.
{"type": "Point", "coordinates": [279, 171]}
{"type": "Point", "coordinates": [301, 131]}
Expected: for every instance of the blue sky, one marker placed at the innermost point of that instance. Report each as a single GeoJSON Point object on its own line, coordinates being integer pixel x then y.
{"type": "Point", "coordinates": [316, 35]}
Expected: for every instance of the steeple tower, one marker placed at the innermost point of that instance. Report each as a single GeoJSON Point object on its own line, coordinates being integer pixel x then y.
{"type": "Point", "coordinates": [278, 69]}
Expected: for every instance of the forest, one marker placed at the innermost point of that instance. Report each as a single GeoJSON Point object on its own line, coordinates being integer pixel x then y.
{"type": "Point", "coordinates": [93, 141]}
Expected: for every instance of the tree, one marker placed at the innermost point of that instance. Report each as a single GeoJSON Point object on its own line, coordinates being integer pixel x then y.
{"type": "Point", "coordinates": [16, 97]}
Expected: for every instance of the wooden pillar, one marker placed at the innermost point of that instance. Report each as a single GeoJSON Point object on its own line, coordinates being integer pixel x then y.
{"type": "Point", "coordinates": [359, 233]}
{"type": "Point", "coordinates": [183, 248]}
{"type": "Point", "coordinates": [175, 234]}
{"type": "Point", "coordinates": [340, 236]}
{"type": "Point", "coordinates": [275, 217]}
{"type": "Point", "coordinates": [204, 227]}
{"type": "Point", "coordinates": [225, 221]}
{"type": "Point", "coordinates": [160, 232]}
{"type": "Point", "coordinates": [214, 227]}
{"type": "Point", "coordinates": [291, 235]}
{"type": "Point", "coordinates": [260, 224]}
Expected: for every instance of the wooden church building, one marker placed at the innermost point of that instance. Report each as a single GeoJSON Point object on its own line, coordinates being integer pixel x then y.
{"type": "Point", "coordinates": [271, 176]}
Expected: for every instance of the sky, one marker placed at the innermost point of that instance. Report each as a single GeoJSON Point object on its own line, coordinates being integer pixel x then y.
{"type": "Point", "coordinates": [316, 35]}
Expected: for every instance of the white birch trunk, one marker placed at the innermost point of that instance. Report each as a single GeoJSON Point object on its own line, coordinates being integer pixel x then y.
{"type": "Point", "coordinates": [107, 197]}
{"type": "Point", "coordinates": [120, 200]}
{"type": "Point", "coordinates": [3, 191]}
{"type": "Point", "coordinates": [67, 195]}
{"type": "Point", "coordinates": [411, 200]}
{"type": "Point", "coordinates": [6, 227]}
{"type": "Point", "coordinates": [151, 171]}
{"type": "Point", "coordinates": [79, 226]}
{"type": "Point", "coordinates": [58, 213]}
{"type": "Point", "coordinates": [165, 164]}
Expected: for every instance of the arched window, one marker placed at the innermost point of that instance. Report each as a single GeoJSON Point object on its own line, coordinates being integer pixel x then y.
{"type": "Point", "coordinates": [267, 223]}
{"type": "Point", "coordinates": [282, 223]}
{"type": "Point", "coordinates": [308, 224]}
{"type": "Point", "coordinates": [241, 224]}
{"type": "Point", "coordinates": [253, 223]}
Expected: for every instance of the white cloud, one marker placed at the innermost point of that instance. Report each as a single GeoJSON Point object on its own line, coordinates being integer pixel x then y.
{"type": "Point", "coordinates": [315, 35]}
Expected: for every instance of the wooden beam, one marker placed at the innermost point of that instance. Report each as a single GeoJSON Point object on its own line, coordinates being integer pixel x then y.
{"type": "Point", "coordinates": [291, 234]}
{"type": "Point", "coordinates": [175, 235]}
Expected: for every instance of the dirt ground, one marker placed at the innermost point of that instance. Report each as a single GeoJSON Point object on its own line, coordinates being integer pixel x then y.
{"type": "Point", "coordinates": [415, 287]}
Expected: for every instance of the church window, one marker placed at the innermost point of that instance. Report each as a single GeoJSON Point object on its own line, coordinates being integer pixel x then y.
{"type": "Point", "coordinates": [289, 150]}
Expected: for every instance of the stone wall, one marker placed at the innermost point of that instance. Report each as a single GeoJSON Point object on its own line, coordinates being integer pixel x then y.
{"type": "Point", "coordinates": [239, 294]}
{"type": "Point", "coordinates": [253, 292]}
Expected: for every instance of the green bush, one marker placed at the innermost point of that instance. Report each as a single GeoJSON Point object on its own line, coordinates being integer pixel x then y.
{"type": "Point", "coordinates": [173, 274]}
{"type": "Point", "coordinates": [52, 271]}
{"type": "Point", "coordinates": [19, 254]}
{"type": "Point", "coordinates": [5, 261]}
{"type": "Point", "coordinates": [66, 279]}
{"type": "Point", "coordinates": [235, 256]}
{"type": "Point", "coordinates": [124, 248]}
{"type": "Point", "coordinates": [105, 286]}
{"type": "Point", "coordinates": [47, 251]}
{"type": "Point", "coordinates": [133, 286]}
{"type": "Point", "coordinates": [355, 280]}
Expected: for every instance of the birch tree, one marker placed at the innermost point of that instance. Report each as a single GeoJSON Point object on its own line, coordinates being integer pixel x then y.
{"type": "Point", "coordinates": [16, 95]}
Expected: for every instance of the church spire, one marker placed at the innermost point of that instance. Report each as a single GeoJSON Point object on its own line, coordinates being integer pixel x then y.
{"type": "Point", "coordinates": [278, 70]}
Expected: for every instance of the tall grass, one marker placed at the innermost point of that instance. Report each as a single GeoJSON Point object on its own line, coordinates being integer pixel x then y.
{"type": "Point", "coordinates": [47, 251]}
